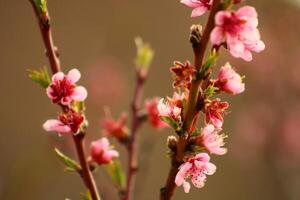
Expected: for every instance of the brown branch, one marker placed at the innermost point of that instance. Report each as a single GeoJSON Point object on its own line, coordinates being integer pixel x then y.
{"type": "Point", "coordinates": [86, 173]}
{"type": "Point", "coordinates": [133, 142]}
{"type": "Point", "coordinates": [199, 53]}
{"type": "Point", "coordinates": [44, 25]}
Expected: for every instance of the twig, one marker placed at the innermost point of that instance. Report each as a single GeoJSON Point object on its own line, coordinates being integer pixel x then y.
{"type": "Point", "coordinates": [52, 54]}
{"type": "Point", "coordinates": [133, 142]}
{"type": "Point", "coordinates": [199, 52]}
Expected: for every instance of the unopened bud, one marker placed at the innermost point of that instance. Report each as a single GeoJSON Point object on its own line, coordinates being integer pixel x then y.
{"type": "Point", "coordinates": [172, 142]}
{"type": "Point", "coordinates": [196, 34]}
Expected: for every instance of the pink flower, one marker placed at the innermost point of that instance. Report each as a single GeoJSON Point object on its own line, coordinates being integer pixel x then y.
{"type": "Point", "coordinates": [153, 115]}
{"type": "Point", "coordinates": [166, 109]}
{"type": "Point", "coordinates": [239, 30]}
{"type": "Point", "coordinates": [115, 128]}
{"type": "Point", "coordinates": [63, 89]}
{"type": "Point", "coordinates": [200, 6]}
{"type": "Point", "coordinates": [102, 152]}
{"type": "Point", "coordinates": [229, 81]}
{"type": "Point", "coordinates": [211, 140]}
{"type": "Point", "coordinates": [195, 168]}
{"type": "Point", "coordinates": [66, 123]}
{"type": "Point", "coordinates": [214, 111]}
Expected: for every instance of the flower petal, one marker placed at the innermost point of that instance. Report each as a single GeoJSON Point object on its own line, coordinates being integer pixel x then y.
{"type": "Point", "coordinates": [216, 36]}
{"type": "Point", "coordinates": [199, 11]}
{"type": "Point", "coordinates": [79, 93]}
{"type": "Point", "coordinates": [73, 75]}
{"type": "Point", "coordinates": [56, 126]}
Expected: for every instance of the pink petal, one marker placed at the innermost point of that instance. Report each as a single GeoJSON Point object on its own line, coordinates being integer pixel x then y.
{"type": "Point", "coordinates": [190, 3]}
{"type": "Point", "coordinates": [216, 36]}
{"type": "Point", "coordinates": [210, 168]}
{"type": "Point", "coordinates": [208, 129]}
{"type": "Point", "coordinates": [198, 179]}
{"type": "Point", "coordinates": [79, 93]}
{"type": "Point", "coordinates": [73, 75]}
{"type": "Point", "coordinates": [49, 92]}
{"type": "Point", "coordinates": [219, 151]}
{"type": "Point", "coordinates": [66, 101]}
{"type": "Point", "coordinates": [202, 157]}
{"type": "Point", "coordinates": [247, 55]}
{"type": "Point", "coordinates": [100, 145]}
{"type": "Point", "coordinates": [247, 11]}
{"type": "Point", "coordinates": [56, 126]}
{"type": "Point", "coordinates": [186, 186]}
{"type": "Point", "coordinates": [58, 76]}
{"type": "Point", "coordinates": [221, 16]}
{"type": "Point", "coordinates": [198, 11]}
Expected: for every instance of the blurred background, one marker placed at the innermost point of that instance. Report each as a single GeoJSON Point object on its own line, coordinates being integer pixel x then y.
{"type": "Point", "coordinates": [96, 36]}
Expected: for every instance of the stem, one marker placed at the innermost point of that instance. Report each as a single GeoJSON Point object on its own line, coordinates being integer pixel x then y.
{"type": "Point", "coordinates": [132, 145]}
{"type": "Point", "coordinates": [86, 173]}
{"type": "Point", "coordinates": [44, 25]}
{"type": "Point", "coordinates": [199, 53]}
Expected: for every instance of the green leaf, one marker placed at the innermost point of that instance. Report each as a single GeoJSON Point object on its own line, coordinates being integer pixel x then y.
{"type": "Point", "coordinates": [71, 165]}
{"type": "Point", "coordinates": [40, 76]}
{"type": "Point", "coordinates": [170, 121]}
{"type": "Point", "coordinates": [41, 5]}
{"type": "Point", "coordinates": [210, 90]}
{"type": "Point", "coordinates": [144, 53]}
{"type": "Point", "coordinates": [211, 61]}
{"type": "Point", "coordinates": [116, 173]}
{"type": "Point", "coordinates": [86, 196]}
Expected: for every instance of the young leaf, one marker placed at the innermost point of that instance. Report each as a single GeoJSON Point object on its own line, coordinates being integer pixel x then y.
{"type": "Point", "coordinates": [116, 173]}
{"type": "Point", "coordinates": [41, 5]}
{"type": "Point", "coordinates": [40, 76]}
{"type": "Point", "coordinates": [71, 165]}
{"type": "Point", "coordinates": [211, 90]}
{"type": "Point", "coordinates": [170, 121]}
{"type": "Point", "coordinates": [210, 61]}
{"type": "Point", "coordinates": [144, 53]}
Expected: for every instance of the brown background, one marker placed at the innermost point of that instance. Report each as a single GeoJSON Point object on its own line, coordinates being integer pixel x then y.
{"type": "Point", "coordinates": [96, 36]}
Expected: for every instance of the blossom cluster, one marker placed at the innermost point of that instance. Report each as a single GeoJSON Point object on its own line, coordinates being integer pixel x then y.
{"type": "Point", "coordinates": [237, 32]}
{"type": "Point", "coordinates": [64, 92]}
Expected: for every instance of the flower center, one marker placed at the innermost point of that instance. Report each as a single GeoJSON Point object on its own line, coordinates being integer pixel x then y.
{"type": "Point", "coordinates": [62, 89]}
{"type": "Point", "coordinates": [232, 25]}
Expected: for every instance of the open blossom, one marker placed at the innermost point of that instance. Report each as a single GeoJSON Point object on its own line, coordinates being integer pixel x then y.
{"type": "Point", "coordinates": [69, 122]}
{"type": "Point", "coordinates": [153, 115]}
{"type": "Point", "coordinates": [214, 111]}
{"type": "Point", "coordinates": [115, 128]}
{"type": "Point", "coordinates": [196, 169]}
{"type": "Point", "coordinates": [199, 6]}
{"type": "Point", "coordinates": [239, 30]}
{"type": "Point", "coordinates": [63, 89]}
{"type": "Point", "coordinates": [102, 152]}
{"type": "Point", "coordinates": [211, 140]}
{"type": "Point", "coordinates": [171, 107]}
{"type": "Point", "coordinates": [229, 81]}
{"type": "Point", "coordinates": [182, 74]}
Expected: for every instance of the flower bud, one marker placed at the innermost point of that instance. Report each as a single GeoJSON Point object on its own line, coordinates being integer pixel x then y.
{"type": "Point", "coordinates": [172, 142]}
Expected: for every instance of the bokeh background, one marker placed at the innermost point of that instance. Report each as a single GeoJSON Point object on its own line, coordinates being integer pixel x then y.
{"type": "Point", "coordinates": [96, 36]}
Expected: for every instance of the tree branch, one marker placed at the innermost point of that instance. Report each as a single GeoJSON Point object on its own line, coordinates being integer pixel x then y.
{"type": "Point", "coordinates": [44, 25]}
{"type": "Point", "coordinates": [199, 53]}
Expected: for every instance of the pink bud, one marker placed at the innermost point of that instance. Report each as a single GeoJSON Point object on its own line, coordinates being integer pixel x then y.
{"type": "Point", "coordinates": [229, 81]}
{"type": "Point", "coordinates": [153, 114]}
{"type": "Point", "coordinates": [102, 153]}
